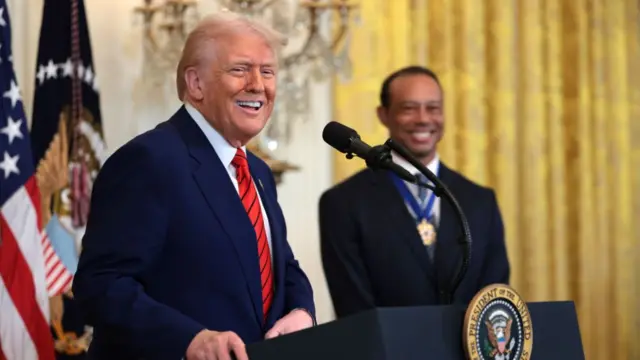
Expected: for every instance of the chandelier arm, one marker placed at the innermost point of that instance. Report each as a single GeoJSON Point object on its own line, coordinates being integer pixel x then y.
{"type": "Point", "coordinates": [345, 10]}
{"type": "Point", "coordinates": [313, 31]}
{"type": "Point", "coordinates": [339, 36]}
{"type": "Point", "coordinates": [152, 39]}
{"type": "Point", "coordinates": [148, 12]}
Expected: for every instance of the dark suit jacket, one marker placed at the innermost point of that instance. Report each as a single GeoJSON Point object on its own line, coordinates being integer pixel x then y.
{"type": "Point", "coordinates": [373, 256]}
{"type": "Point", "coordinates": [169, 249]}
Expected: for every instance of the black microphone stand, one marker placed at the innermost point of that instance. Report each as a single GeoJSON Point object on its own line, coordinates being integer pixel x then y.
{"type": "Point", "coordinates": [439, 189]}
{"type": "Point", "coordinates": [379, 157]}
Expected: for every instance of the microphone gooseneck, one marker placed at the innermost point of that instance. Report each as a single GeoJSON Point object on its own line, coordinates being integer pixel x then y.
{"type": "Point", "coordinates": [442, 189]}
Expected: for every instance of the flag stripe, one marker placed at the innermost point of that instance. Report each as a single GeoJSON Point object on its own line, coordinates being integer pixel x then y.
{"type": "Point", "coordinates": [54, 285]}
{"type": "Point", "coordinates": [14, 338]}
{"type": "Point", "coordinates": [22, 218]}
{"type": "Point", "coordinates": [48, 255]}
{"type": "Point", "coordinates": [60, 284]}
{"type": "Point", "coordinates": [54, 271]}
{"type": "Point", "coordinates": [19, 287]}
{"type": "Point", "coordinates": [58, 277]}
{"type": "Point", "coordinates": [64, 283]}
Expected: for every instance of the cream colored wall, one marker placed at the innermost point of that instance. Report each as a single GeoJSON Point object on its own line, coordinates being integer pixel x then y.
{"type": "Point", "coordinates": [116, 43]}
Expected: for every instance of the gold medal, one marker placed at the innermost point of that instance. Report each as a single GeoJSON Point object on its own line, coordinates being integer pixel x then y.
{"type": "Point", "coordinates": [427, 232]}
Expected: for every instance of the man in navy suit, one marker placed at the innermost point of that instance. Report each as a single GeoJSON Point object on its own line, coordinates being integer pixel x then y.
{"type": "Point", "coordinates": [387, 243]}
{"type": "Point", "coordinates": [186, 253]}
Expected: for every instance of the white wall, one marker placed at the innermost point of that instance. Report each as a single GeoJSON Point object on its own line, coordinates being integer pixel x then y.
{"type": "Point", "coordinates": [116, 43]}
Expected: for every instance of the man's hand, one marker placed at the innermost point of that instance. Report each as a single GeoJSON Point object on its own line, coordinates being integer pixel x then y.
{"type": "Point", "coordinates": [294, 321]}
{"type": "Point", "coordinates": [214, 345]}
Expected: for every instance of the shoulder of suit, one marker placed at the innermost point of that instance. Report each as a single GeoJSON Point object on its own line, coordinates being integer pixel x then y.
{"type": "Point", "coordinates": [157, 144]}
{"type": "Point", "coordinates": [348, 186]}
{"type": "Point", "coordinates": [161, 139]}
{"type": "Point", "coordinates": [462, 182]}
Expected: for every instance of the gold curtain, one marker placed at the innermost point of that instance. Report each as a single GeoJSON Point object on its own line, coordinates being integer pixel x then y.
{"type": "Point", "coordinates": [542, 103]}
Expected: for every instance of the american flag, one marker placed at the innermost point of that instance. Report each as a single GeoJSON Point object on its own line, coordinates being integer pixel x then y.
{"type": "Point", "coordinates": [24, 299]}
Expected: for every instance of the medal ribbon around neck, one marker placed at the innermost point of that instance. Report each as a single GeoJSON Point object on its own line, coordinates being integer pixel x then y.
{"type": "Point", "coordinates": [421, 214]}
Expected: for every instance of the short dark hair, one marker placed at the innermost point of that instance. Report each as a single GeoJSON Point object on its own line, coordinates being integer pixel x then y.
{"type": "Point", "coordinates": [385, 95]}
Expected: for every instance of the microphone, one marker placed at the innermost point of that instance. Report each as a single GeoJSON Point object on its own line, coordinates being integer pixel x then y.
{"type": "Point", "coordinates": [347, 141]}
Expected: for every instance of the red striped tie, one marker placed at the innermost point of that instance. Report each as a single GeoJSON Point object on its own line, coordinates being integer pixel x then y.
{"type": "Point", "coordinates": [249, 197]}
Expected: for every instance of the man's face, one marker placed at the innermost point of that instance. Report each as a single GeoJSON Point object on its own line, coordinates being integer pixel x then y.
{"type": "Point", "coordinates": [240, 86]}
{"type": "Point", "coordinates": [415, 116]}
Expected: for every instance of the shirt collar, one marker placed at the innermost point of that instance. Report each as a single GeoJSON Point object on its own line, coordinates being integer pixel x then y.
{"type": "Point", "coordinates": [433, 166]}
{"type": "Point", "coordinates": [225, 151]}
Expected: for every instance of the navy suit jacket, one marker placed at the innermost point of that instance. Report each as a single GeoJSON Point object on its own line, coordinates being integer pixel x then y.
{"type": "Point", "coordinates": [169, 249]}
{"type": "Point", "coordinates": [373, 256]}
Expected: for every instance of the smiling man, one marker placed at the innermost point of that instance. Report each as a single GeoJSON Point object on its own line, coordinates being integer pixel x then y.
{"type": "Point", "coordinates": [186, 252]}
{"type": "Point", "coordinates": [387, 243]}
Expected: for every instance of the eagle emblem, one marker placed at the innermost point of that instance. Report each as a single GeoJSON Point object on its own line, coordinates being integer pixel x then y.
{"type": "Point", "coordinates": [499, 334]}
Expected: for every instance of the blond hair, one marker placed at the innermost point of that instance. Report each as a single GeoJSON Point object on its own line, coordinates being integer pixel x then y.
{"type": "Point", "coordinates": [212, 27]}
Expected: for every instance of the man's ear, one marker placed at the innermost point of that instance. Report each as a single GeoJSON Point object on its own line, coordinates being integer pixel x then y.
{"type": "Point", "coordinates": [194, 84]}
{"type": "Point", "coordinates": [381, 111]}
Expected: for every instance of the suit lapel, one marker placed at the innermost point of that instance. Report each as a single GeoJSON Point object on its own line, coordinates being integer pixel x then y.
{"type": "Point", "coordinates": [448, 253]}
{"type": "Point", "coordinates": [401, 222]}
{"type": "Point", "coordinates": [218, 190]}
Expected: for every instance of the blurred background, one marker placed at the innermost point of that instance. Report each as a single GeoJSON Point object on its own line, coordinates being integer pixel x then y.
{"type": "Point", "coordinates": [542, 102]}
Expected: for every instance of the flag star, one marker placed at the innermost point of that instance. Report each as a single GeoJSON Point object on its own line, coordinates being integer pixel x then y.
{"type": "Point", "coordinates": [10, 164]}
{"type": "Point", "coordinates": [13, 93]}
{"type": "Point", "coordinates": [12, 130]}
{"type": "Point", "coordinates": [2, 21]}
{"type": "Point", "coordinates": [67, 68]}
{"type": "Point", "coordinates": [88, 75]}
{"type": "Point", "coordinates": [40, 74]}
{"type": "Point", "coordinates": [52, 70]}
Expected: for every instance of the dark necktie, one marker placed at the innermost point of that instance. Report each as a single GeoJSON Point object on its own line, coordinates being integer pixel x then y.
{"type": "Point", "coordinates": [423, 192]}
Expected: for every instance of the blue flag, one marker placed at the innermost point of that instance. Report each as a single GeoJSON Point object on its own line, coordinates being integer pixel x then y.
{"type": "Point", "coordinates": [68, 148]}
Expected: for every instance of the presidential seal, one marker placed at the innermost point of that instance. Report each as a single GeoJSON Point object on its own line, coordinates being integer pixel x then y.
{"type": "Point", "coordinates": [497, 325]}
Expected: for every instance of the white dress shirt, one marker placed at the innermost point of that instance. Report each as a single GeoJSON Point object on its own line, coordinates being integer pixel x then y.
{"type": "Point", "coordinates": [433, 166]}
{"type": "Point", "coordinates": [226, 153]}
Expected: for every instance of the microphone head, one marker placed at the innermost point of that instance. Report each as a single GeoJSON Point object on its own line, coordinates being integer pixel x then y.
{"type": "Point", "coordinates": [339, 136]}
